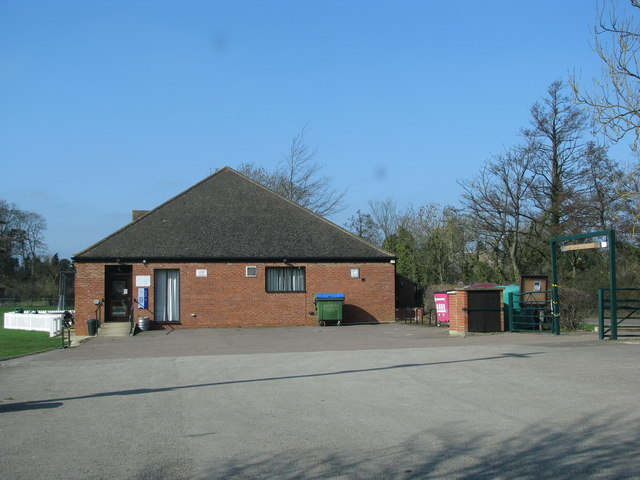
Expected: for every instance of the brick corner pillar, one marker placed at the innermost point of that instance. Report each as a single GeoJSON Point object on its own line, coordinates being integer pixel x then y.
{"type": "Point", "coordinates": [459, 319]}
{"type": "Point", "coordinates": [89, 285]}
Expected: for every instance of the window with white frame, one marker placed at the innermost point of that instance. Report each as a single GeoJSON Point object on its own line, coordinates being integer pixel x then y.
{"type": "Point", "coordinates": [167, 295]}
{"type": "Point", "coordinates": [285, 279]}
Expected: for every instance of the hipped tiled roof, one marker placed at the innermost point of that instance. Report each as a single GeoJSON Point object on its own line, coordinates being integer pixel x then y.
{"type": "Point", "coordinates": [227, 216]}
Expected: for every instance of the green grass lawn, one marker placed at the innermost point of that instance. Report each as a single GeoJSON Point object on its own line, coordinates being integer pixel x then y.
{"type": "Point", "coordinates": [20, 342]}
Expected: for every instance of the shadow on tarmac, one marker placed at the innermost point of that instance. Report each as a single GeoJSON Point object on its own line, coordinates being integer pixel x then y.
{"type": "Point", "coordinates": [599, 446]}
{"type": "Point", "coordinates": [57, 402]}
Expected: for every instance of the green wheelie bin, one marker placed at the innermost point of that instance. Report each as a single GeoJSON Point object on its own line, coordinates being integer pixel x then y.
{"type": "Point", "coordinates": [329, 308]}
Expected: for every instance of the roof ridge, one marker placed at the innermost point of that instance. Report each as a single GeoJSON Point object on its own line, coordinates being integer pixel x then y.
{"type": "Point", "coordinates": [273, 192]}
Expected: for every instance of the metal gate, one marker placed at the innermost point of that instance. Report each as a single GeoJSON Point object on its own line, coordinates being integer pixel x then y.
{"type": "Point", "coordinates": [530, 311]}
{"type": "Point", "coordinates": [627, 304]}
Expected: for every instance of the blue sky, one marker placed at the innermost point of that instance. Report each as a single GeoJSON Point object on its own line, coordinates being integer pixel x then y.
{"type": "Point", "coordinates": [109, 106]}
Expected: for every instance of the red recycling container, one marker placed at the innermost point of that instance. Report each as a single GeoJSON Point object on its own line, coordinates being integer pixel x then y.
{"type": "Point", "coordinates": [441, 300]}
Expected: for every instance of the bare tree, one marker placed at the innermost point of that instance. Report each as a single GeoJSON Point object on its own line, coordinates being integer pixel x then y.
{"type": "Point", "coordinates": [615, 97]}
{"type": "Point", "coordinates": [429, 241]}
{"type": "Point", "coordinates": [629, 213]}
{"type": "Point", "coordinates": [362, 225]}
{"type": "Point", "coordinates": [299, 179]}
{"type": "Point", "coordinates": [31, 239]}
{"type": "Point", "coordinates": [21, 237]}
{"type": "Point", "coordinates": [603, 198]}
{"type": "Point", "coordinates": [498, 203]}
{"type": "Point", "coordinates": [7, 241]}
{"type": "Point", "coordinates": [257, 174]}
{"type": "Point", "coordinates": [556, 141]}
{"type": "Point", "coordinates": [444, 248]}
{"type": "Point", "coordinates": [385, 215]}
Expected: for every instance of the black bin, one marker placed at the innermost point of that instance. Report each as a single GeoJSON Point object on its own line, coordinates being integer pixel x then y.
{"type": "Point", "coordinates": [92, 326]}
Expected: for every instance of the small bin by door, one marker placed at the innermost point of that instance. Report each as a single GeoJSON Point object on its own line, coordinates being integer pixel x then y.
{"type": "Point", "coordinates": [143, 323]}
{"type": "Point", "coordinates": [92, 327]}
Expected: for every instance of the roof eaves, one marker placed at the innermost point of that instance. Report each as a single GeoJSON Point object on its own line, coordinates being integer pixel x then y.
{"type": "Point", "coordinates": [232, 260]}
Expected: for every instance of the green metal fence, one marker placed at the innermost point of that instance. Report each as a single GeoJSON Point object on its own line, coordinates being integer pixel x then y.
{"type": "Point", "coordinates": [627, 306]}
{"type": "Point", "coordinates": [528, 314]}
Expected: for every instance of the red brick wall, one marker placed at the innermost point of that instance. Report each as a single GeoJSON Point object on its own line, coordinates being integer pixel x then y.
{"type": "Point", "coordinates": [458, 318]}
{"type": "Point", "coordinates": [89, 286]}
{"type": "Point", "coordinates": [227, 298]}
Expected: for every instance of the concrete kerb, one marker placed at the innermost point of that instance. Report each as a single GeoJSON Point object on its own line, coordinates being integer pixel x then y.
{"type": "Point", "coordinates": [221, 341]}
{"type": "Point", "coordinates": [76, 340]}
{"type": "Point", "coordinates": [346, 337]}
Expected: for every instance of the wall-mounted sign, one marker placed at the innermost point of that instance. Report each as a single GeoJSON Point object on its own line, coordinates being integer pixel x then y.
{"type": "Point", "coordinates": [535, 286]}
{"type": "Point", "coordinates": [201, 272]}
{"type": "Point", "coordinates": [355, 273]}
{"type": "Point", "coordinates": [143, 280]}
{"type": "Point", "coordinates": [143, 298]}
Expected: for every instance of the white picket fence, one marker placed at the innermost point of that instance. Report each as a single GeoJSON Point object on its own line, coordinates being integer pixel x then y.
{"type": "Point", "coordinates": [43, 321]}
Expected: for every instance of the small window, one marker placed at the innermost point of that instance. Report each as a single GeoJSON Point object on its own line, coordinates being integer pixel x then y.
{"type": "Point", "coordinates": [252, 272]}
{"type": "Point", "coordinates": [285, 279]}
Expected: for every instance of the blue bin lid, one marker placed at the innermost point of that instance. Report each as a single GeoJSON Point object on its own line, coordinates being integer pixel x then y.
{"type": "Point", "coordinates": [330, 296]}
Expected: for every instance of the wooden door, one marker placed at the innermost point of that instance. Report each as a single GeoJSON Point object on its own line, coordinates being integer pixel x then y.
{"type": "Point", "coordinates": [483, 310]}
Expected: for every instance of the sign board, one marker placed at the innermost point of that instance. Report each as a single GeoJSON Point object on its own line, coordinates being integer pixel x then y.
{"type": "Point", "coordinates": [143, 298]}
{"type": "Point", "coordinates": [583, 246]}
{"type": "Point", "coordinates": [143, 280]}
{"type": "Point", "coordinates": [535, 286]}
{"type": "Point", "coordinates": [201, 272]}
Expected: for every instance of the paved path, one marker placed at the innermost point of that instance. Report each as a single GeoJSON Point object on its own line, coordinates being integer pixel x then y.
{"type": "Point", "coordinates": [385, 401]}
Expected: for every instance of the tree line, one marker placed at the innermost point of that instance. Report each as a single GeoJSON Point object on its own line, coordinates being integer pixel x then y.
{"type": "Point", "coordinates": [558, 181]}
{"type": "Point", "coordinates": [26, 271]}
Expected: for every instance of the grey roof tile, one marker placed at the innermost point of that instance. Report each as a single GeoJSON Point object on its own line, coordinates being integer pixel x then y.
{"type": "Point", "coordinates": [227, 216]}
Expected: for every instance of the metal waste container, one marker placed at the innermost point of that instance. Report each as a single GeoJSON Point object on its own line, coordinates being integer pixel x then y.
{"type": "Point", "coordinates": [508, 308]}
{"type": "Point", "coordinates": [92, 326]}
{"type": "Point", "coordinates": [143, 323]}
{"type": "Point", "coordinates": [329, 308]}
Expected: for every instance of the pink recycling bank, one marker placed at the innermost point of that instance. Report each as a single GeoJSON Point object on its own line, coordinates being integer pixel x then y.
{"type": "Point", "coordinates": [441, 300]}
